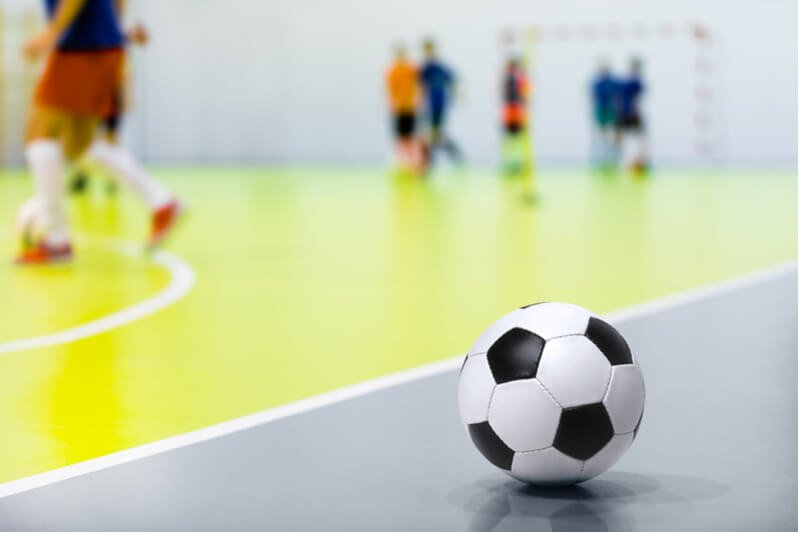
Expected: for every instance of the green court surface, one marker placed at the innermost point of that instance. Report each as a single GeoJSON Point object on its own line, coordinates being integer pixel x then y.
{"type": "Point", "coordinates": [316, 278]}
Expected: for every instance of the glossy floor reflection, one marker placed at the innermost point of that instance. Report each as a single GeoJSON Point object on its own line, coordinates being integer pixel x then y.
{"type": "Point", "coordinates": [313, 279]}
{"type": "Point", "coordinates": [603, 504]}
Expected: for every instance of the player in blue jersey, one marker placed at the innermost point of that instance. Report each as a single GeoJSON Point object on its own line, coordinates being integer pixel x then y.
{"type": "Point", "coordinates": [604, 90]}
{"type": "Point", "coordinates": [438, 84]}
{"type": "Point", "coordinates": [630, 124]}
{"type": "Point", "coordinates": [83, 42]}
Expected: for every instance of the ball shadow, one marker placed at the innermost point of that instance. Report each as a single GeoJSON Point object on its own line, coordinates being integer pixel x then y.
{"type": "Point", "coordinates": [601, 504]}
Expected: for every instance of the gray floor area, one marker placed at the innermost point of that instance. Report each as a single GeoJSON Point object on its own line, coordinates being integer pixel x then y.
{"type": "Point", "coordinates": [717, 450]}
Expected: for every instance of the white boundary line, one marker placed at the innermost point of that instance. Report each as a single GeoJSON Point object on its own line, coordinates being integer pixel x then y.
{"type": "Point", "coordinates": [359, 389]}
{"type": "Point", "coordinates": [679, 299]}
{"type": "Point", "coordinates": [181, 282]}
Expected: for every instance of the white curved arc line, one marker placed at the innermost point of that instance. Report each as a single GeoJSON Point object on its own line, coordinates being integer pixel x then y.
{"type": "Point", "coordinates": [181, 282]}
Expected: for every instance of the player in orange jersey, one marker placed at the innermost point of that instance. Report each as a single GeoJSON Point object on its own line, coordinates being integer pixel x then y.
{"type": "Point", "coordinates": [402, 85]}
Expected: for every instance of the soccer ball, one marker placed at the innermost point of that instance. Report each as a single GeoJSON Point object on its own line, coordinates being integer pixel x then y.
{"type": "Point", "coordinates": [551, 394]}
{"type": "Point", "coordinates": [28, 223]}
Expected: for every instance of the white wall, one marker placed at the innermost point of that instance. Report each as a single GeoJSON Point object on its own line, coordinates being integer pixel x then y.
{"type": "Point", "coordinates": [302, 80]}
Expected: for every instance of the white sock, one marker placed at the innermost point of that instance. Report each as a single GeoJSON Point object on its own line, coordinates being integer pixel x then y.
{"type": "Point", "coordinates": [46, 163]}
{"type": "Point", "coordinates": [119, 163]}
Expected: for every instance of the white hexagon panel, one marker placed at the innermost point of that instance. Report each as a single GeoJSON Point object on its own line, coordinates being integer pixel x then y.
{"type": "Point", "coordinates": [553, 319]}
{"type": "Point", "coordinates": [524, 415]}
{"type": "Point", "coordinates": [574, 370]}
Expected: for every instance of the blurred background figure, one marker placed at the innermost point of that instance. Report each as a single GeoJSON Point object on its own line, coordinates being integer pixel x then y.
{"type": "Point", "coordinates": [516, 88]}
{"type": "Point", "coordinates": [630, 127]}
{"type": "Point", "coordinates": [604, 117]}
{"type": "Point", "coordinates": [402, 86]}
{"type": "Point", "coordinates": [83, 41]}
{"type": "Point", "coordinates": [438, 85]}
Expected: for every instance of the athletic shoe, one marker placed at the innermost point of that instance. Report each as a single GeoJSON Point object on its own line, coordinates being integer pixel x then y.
{"type": "Point", "coordinates": [43, 253]}
{"type": "Point", "coordinates": [163, 220]}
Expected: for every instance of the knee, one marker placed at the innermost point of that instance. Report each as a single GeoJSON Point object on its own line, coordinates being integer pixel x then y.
{"type": "Point", "coordinates": [42, 125]}
{"type": "Point", "coordinates": [77, 139]}
{"type": "Point", "coordinates": [74, 147]}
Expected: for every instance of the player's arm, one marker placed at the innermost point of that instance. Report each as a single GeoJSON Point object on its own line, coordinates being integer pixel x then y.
{"type": "Point", "coordinates": [46, 39]}
{"type": "Point", "coordinates": [136, 34]}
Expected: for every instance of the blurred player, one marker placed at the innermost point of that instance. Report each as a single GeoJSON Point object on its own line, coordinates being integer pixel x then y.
{"type": "Point", "coordinates": [630, 124]}
{"type": "Point", "coordinates": [76, 90]}
{"type": "Point", "coordinates": [402, 85]}
{"type": "Point", "coordinates": [438, 84]}
{"type": "Point", "coordinates": [109, 128]}
{"type": "Point", "coordinates": [604, 117]}
{"type": "Point", "coordinates": [515, 87]}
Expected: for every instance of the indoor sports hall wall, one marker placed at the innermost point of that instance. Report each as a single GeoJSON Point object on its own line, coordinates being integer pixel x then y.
{"type": "Point", "coordinates": [302, 80]}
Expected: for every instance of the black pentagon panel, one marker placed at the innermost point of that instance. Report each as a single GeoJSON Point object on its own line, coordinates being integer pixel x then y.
{"type": "Point", "coordinates": [610, 342]}
{"type": "Point", "coordinates": [583, 431]}
{"type": "Point", "coordinates": [515, 355]}
{"type": "Point", "coordinates": [490, 445]}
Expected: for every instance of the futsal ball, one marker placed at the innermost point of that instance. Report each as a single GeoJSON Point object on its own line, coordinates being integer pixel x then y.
{"type": "Point", "coordinates": [551, 394]}
{"type": "Point", "coordinates": [28, 223]}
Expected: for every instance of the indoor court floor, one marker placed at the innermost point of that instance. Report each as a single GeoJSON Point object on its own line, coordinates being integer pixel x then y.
{"type": "Point", "coordinates": [348, 284]}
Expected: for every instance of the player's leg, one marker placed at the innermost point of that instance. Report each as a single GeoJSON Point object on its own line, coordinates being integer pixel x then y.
{"type": "Point", "coordinates": [618, 135]}
{"type": "Point", "coordinates": [418, 152]}
{"type": "Point", "coordinates": [107, 154]}
{"type": "Point", "coordinates": [115, 160]}
{"type": "Point", "coordinates": [119, 163]}
{"type": "Point", "coordinates": [408, 147]}
{"type": "Point", "coordinates": [607, 147]}
{"type": "Point", "coordinates": [640, 164]}
{"type": "Point", "coordinates": [434, 117]}
{"type": "Point", "coordinates": [434, 140]}
{"type": "Point", "coordinates": [399, 127]}
{"type": "Point", "coordinates": [605, 123]}
{"type": "Point", "coordinates": [602, 138]}
{"type": "Point", "coordinates": [111, 135]}
{"type": "Point", "coordinates": [60, 125]}
{"type": "Point", "coordinates": [445, 142]}
{"type": "Point", "coordinates": [512, 147]}
{"type": "Point", "coordinates": [52, 137]}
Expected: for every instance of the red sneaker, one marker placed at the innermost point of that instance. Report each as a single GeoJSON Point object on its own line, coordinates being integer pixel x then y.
{"type": "Point", "coordinates": [42, 253]}
{"type": "Point", "coordinates": [163, 221]}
